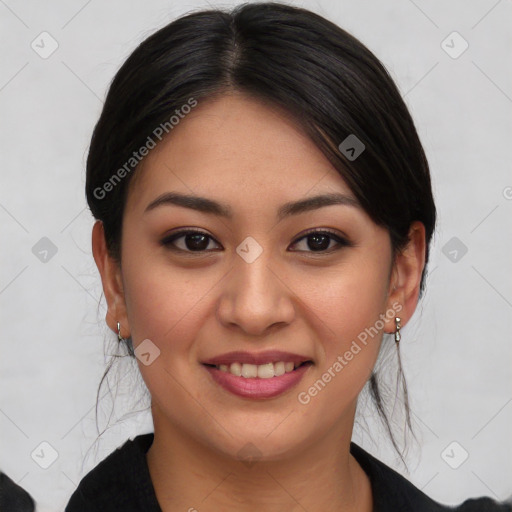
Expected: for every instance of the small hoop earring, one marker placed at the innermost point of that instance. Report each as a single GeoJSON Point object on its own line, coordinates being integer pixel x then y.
{"type": "Point", "coordinates": [127, 341]}
{"type": "Point", "coordinates": [398, 326]}
{"type": "Point", "coordinates": [119, 337]}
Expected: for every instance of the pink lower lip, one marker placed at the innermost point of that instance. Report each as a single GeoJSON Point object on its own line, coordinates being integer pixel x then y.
{"type": "Point", "coordinates": [256, 387]}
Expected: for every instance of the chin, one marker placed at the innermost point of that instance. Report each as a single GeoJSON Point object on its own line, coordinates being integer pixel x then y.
{"type": "Point", "coordinates": [259, 446]}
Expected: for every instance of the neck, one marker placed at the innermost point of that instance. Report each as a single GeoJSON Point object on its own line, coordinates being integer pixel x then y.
{"type": "Point", "coordinates": [188, 475]}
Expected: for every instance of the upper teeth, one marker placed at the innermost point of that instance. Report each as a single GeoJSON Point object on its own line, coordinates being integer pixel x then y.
{"type": "Point", "coordinates": [263, 371]}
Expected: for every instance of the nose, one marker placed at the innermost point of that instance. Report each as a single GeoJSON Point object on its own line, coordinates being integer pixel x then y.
{"type": "Point", "coordinates": [256, 297]}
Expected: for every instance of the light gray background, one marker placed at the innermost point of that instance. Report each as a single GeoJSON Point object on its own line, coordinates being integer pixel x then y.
{"type": "Point", "coordinates": [456, 351]}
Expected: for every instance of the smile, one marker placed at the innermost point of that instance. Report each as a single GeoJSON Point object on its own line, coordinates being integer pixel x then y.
{"type": "Point", "coordinates": [261, 371]}
{"type": "Point", "coordinates": [258, 382]}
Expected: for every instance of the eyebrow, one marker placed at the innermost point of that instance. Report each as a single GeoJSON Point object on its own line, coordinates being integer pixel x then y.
{"type": "Point", "coordinates": [212, 207]}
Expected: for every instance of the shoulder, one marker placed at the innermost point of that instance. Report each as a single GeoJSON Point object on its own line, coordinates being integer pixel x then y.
{"type": "Point", "coordinates": [393, 492]}
{"type": "Point", "coordinates": [484, 505]}
{"type": "Point", "coordinates": [119, 482]}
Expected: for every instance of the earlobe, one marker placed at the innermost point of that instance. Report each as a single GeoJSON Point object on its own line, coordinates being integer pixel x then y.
{"type": "Point", "coordinates": [406, 276]}
{"type": "Point", "coordinates": [110, 272]}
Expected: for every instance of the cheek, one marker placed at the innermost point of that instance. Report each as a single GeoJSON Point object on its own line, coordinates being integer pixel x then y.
{"type": "Point", "coordinates": [168, 307]}
{"type": "Point", "coordinates": [348, 299]}
{"type": "Point", "coordinates": [164, 303]}
{"type": "Point", "coordinates": [350, 349]}
{"type": "Point", "coordinates": [344, 311]}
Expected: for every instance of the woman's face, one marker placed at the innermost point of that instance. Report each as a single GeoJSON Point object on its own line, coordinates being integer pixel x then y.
{"type": "Point", "coordinates": [253, 281]}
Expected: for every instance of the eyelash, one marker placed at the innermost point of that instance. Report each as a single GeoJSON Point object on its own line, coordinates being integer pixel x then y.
{"type": "Point", "coordinates": [342, 242]}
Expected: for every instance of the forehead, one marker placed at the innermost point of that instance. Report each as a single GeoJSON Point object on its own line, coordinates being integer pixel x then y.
{"type": "Point", "coordinates": [237, 148]}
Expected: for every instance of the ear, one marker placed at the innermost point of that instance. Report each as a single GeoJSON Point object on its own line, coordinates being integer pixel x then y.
{"type": "Point", "coordinates": [111, 278]}
{"type": "Point", "coordinates": [404, 285]}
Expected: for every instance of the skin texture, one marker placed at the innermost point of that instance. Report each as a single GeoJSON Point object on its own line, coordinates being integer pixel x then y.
{"type": "Point", "coordinates": [194, 306]}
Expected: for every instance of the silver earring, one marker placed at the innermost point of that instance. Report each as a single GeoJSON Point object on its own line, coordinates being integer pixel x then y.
{"type": "Point", "coordinates": [119, 337]}
{"type": "Point", "coordinates": [398, 326]}
{"type": "Point", "coordinates": [127, 341]}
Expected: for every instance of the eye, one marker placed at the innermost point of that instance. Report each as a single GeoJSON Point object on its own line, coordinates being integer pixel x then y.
{"type": "Point", "coordinates": [320, 241]}
{"type": "Point", "coordinates": [193, 241]}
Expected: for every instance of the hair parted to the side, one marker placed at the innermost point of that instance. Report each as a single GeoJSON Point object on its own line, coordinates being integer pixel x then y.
{"type": "Point", "coordinates": [289, 58]}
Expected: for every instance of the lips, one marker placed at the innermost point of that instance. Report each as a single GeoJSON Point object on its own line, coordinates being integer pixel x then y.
{"type": "Point", "coordinates": [260, 375]}
{"type": "Point", "coordinates": [260, 358]}
{"type": "Point", "coordinates": [256, 387]}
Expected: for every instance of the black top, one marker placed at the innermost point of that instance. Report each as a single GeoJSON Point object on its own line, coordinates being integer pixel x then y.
{"type": "Point", "coordinates": [14, 498]}
{"type": "Point", "coordinates": [122, 482]}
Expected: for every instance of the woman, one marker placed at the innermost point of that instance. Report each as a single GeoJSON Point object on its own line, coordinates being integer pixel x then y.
{"type": "Point", "coordinates": [264, 216]}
